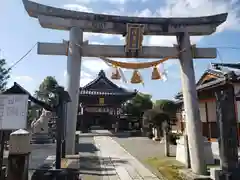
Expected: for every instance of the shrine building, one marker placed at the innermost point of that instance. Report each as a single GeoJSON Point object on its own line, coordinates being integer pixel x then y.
{"type": "Point", "coordinates": [210, 81]}
{"type": "Point", "coordinates": [100, 103]}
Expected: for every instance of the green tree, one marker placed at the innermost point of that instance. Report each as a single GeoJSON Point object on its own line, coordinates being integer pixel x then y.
{"type": "Point", "coordinates": [161, 122]}
{"type": "Point", "coordinates": [138, 105]}
{"type": "Point", "coordinates": [4, 75]}
{"type": "Point", "coordinates": [47, 89]}
{"type": "Point", "coordinates": [156, 118]}
{"type": "Point", "coordinates": [167, 106]}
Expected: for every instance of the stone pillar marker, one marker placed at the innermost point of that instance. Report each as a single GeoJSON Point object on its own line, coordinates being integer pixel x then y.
{"type": "Point", "coordinates": [73, 84]}
{"type": "Point", "coordinates": [228, 136]}
{"type": "Point", "coordinates": [191, 106]}
{"type": "Point", "coordinates": [19, 151]}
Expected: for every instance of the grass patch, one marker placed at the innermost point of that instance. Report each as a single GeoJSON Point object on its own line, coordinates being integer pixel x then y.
{"type": "Point", "coordinates": [167, 166]}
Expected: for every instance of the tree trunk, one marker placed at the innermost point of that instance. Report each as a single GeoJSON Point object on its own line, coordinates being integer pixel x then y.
{"type": "Point", "coordinates": [156, 133]}
{"type": "Point", "coordinates": [166, 144]}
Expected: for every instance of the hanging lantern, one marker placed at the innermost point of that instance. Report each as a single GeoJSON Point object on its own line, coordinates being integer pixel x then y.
{"type": "Point", "coordinates": [136, 78]}
{"type": "Point", "coordinates": [115, 74]}
{"type": "Point", "coordinates": [155, 74]}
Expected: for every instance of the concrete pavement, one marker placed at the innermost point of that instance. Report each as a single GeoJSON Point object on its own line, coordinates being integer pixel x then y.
{"type": "Point", "coordinates": [90, 168]}
{"type": "Point", "coordinates": [101, 158]}
{"type": "Point", "coordinates": [117, 163]}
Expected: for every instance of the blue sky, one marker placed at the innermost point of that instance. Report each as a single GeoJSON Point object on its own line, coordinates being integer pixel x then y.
{"type": "Point", "coordinates": [19, 33]}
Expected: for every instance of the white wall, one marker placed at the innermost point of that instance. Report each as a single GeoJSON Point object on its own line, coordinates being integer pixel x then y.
{"type": "Point", "coordinates": [212, 117]}
{"type": "Point", "coordinates": [211, 112]}
{"type": "Point", "coordinates": [202, 111]}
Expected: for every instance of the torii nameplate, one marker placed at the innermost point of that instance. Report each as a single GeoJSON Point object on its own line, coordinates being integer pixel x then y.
{"type": "Point", "coordinates": [57, 18]}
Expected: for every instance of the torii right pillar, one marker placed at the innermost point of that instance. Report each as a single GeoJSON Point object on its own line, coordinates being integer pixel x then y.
{"type": "Point", "coordinates": [191, 106]}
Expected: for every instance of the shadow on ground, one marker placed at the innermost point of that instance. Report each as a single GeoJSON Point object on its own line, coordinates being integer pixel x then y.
{"type": "Point", "coordinates": [91, 166]}
{"type": "Point", "coordinates": [86, 147]}
{"type": "Point", "coordinates": [112, 134]}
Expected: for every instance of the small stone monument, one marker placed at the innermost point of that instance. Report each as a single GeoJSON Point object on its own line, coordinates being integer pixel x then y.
{"type": "Point", "coordinates": [40, 134]}
{"type": "Point", "coordinates": [19, 151]}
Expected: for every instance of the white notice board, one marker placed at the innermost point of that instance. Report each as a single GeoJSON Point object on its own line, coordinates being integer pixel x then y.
{"type": "Point", "coordinates": [13, 111]}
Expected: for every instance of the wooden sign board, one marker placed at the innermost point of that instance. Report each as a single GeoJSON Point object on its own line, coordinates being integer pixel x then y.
{"type": "Point", "coordinates": [13, 111]}
{"type": "Point", "coordinates": [101, 100]}
{"type": "Point", "coordinates": [134, 37]}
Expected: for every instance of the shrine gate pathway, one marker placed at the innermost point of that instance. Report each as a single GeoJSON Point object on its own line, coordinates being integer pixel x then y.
{"type": "Point", "coordinates": [103, 158]}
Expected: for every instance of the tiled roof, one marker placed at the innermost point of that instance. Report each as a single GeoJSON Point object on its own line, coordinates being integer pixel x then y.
{"type": "Point", "coordinates": [228, 65]}
{"type": "Point", "coordinates": [105, 87]}
{"type": "Point", "coordinates": [17, 89]}
{"type": "Point", "coordinates": [221, 71]}
{"type": "Point", "coordinates": [103, 93]}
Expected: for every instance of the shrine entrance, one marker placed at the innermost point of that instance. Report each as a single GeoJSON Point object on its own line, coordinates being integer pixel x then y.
{"type": "Point", "coordinates": [134, 29]}
{"type": "Point", "coordinates": [96, 119]}
{"type": "Point", "coordinates": [101, 119]}
{"type": "Point", "coordinates": [100, 103]}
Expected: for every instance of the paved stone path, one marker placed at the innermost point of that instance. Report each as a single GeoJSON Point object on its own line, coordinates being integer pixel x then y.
{"type": "Point", "coordinates": [90, 168]}
{"type": "Point", "coordinates": [40, 152]}
{"type": "Point", "coordinates": [101, 158]}
{"type": "Point", "coordinates": [117, 163]}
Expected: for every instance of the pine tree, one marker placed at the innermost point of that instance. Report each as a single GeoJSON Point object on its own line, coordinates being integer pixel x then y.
{"type": "Point", "coordinates": [4, 75]}
{"type": "Point", "coordinates": [46, 88]}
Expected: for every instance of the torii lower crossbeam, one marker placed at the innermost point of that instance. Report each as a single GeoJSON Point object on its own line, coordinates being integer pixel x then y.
{"type": "Point", "coordinates": [114, 51]}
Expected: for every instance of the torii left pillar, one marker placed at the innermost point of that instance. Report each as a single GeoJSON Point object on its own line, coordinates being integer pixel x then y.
{"type": "Point", "coordinates": [73, 83]}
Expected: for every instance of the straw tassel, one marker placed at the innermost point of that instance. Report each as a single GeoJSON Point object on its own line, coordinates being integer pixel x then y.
{"type": "Point", "coordinates": [155, 74]}
{"type": "Point", "coordinates": [136, 78]}
{"type": "Point", "coordinates": [115, 74]}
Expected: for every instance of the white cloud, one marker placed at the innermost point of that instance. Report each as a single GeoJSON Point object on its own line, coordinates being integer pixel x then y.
{"type": "Point", "coordinates": [22, 79]}
{"type": "Point", "coordinates": [97, 43]}
{"type": "Point", "coordinates": [94, 64]}
{"type": "Point", "coordinates": [83, 74]}
{"type": "Point", "coordinates": [191, 8]}
{"type": "Point", "coordinates": [77, 7]}
{"type": "Point", "coordinates": [84, 77]}
{"type": "Point", "coordinates": [85, 1]}
{"type": "Point", "coordinates": [87, 35]}
{"type": "Point", "coordinates": [25, 81]}
{"type": "Point", "coordinates": [144, 13]}
{"type": "Point", "coordinates": [85, 80]}
{"type": "Point", "coordinates": [109, 1]}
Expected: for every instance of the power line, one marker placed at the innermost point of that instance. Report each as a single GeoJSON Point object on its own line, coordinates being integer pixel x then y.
{"type": "Point", "coordinates": [224, 47]}
{"type": "Point", "coordinates": [23, 56]}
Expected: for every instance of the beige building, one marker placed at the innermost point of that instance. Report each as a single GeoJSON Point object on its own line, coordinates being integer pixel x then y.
{"type": "Point", "coordinates": [206, 86]}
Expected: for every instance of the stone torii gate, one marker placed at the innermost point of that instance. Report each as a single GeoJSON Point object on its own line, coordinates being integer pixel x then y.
{"type": "Point", "coordinates": [78, 22]}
